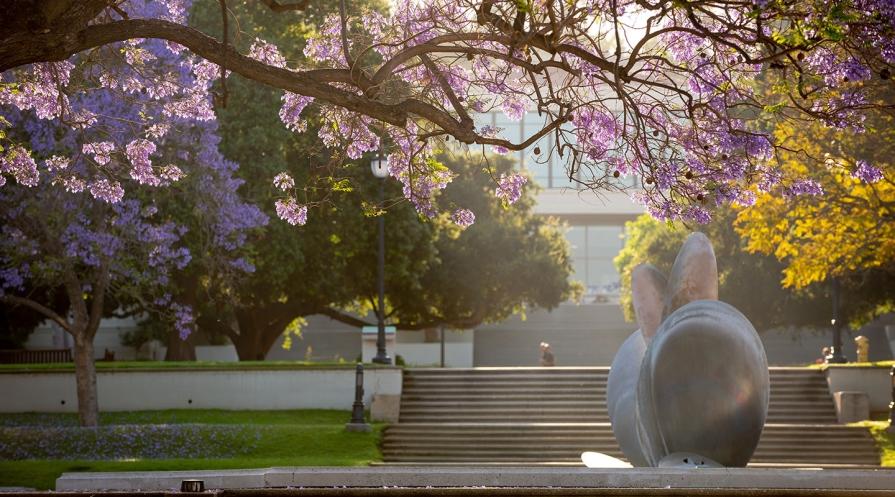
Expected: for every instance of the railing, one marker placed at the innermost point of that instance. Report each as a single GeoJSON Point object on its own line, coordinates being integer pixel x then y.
{"type": "Point", "coordinates": [42, 356]}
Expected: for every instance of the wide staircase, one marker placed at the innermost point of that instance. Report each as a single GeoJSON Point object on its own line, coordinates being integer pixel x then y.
{"type": "Point", "coordinates": [551, 415]}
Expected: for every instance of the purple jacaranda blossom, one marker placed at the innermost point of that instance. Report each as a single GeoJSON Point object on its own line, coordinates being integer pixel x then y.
{"type": "Point", "coordinates": [18, 163]}
{"type": "Point", "coordinates": [463, 218]}
{"type": "Point", "coordinates": [803, 187]}
{"type": "Point", "coordinates": [509, 187]}
{"type": "Point", "coordinates": [138, 152]}
{"type": "Point", "coordinates": [106, 190]}
{"type": "Point", "coordinates": [57, 163]}
{"type": "Point", "coordinates": [867, 173]}
{"type": "Point", "coordinates": [267, 53]}
{"type": "Point", "coordinates": [56, 437]}
{"type": "Point", "coordinates": [290, 112]}
{"type": "Point", "coordinates": [292, 212]}
{"type": "Point", "coordinates": [283, 181]}
{"type": "Point", "coordinates": [101, 151]}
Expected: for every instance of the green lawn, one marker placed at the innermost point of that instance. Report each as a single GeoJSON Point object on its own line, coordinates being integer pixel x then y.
{"type": "Point", "coordinates": [101, 365]}
{"type": "Point", "coordinates": [280, 438]}
{"type": "Point", "coordinates": [885, 440]}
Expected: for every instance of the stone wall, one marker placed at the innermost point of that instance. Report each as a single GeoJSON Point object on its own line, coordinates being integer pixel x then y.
{"type": "Point", "coordinates": [200, 388]}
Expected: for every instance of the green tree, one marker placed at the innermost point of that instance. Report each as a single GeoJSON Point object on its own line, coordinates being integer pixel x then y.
{"type": "Point", "coordinates": [508, 260]}
{"type": "Point", "coordinates": [749, 282]}
{"type": "Point", "coordinates": [436, 273]}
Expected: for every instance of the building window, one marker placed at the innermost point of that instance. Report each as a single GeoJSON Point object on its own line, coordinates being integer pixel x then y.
{"type": "Point", "coordinates": [593, 248]}
{"type": "Point", "coordinates": [547, 169]}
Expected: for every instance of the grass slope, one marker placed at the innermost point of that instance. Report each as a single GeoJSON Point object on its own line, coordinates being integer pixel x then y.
{"type": "Point", "coordinates": [885, 440]}
{"type": "Point", "coordinates": [289, 438]}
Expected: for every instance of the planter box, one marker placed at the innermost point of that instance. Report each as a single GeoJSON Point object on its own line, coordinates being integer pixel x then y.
{"type": "Point", "coordinates": [872, 380]}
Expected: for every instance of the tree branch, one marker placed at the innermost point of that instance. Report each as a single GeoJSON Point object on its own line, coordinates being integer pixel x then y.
{"type": "Point", "coordinates": [344, 318]}
{"type": "Point", "coordinates": [46, 311]}
{"type": "Point", "coordinates": [27, 48]}
{"type": "Point", "coordinates": [276, 6]}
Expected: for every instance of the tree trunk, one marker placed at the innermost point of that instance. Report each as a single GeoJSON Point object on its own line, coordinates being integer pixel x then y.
{"type": "Point", "coordinates": [248, 345]}
{"type": "Point", "coordinates": [184, 350]}
{"type": "Point", "coordinates": [85, 375]}
{"type": "Point", "coordinates": [180, 350]}
{"type": "Point", "coordinates": [256, 335]}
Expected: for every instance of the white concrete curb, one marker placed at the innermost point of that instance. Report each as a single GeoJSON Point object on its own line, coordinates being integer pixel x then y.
{"type": "Point", "coordinates": [488, 477]}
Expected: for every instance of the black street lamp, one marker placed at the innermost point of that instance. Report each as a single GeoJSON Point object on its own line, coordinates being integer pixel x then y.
{"type": "Point", "coordinates": [380, 170]}
{"type": "Point", "coordinates": [835, 356]}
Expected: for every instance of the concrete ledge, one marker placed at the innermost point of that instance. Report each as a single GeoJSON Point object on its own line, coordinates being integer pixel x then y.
{"type": "Point", "coordinates": [160, 480]}
{"type": "Point", "coordinates": [440, 477]}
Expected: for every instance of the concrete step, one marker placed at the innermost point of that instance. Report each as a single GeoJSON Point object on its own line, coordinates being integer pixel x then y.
{"type": "Point", "coordinates": [551, 415]}
{"type": "Point", "coordinates": [574, 392]}
{"type": "Point", "coordinates": [773, 371]}
{"type": "Point", "coordinates": [573, 451]}
{"type": "Point", "coordinates": [547, 415]}
{"type": "Point", "coordinates": [832, 460]}
{"type": "Point", "coordinates": [578, 464]}
{"type": "Point", "coordinates": [583, 403]}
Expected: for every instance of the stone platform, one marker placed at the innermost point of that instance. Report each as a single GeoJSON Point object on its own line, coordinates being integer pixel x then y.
{"type": "Point", "coordinates": [419, 481]}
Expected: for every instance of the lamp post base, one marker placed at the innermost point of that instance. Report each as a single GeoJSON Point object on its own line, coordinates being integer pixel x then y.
{"type": "Point", "coordinates": [358, 427]}
{"type": "Point", "coordinates": [381, 359]}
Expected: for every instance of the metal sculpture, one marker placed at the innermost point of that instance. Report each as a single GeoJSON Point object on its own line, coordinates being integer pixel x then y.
{"type": "Point", "coordinates": [690, 387]}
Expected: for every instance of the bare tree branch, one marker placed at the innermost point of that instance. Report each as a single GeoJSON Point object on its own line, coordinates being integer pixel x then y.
{"type": "Point", "coordinates": [46, 311]}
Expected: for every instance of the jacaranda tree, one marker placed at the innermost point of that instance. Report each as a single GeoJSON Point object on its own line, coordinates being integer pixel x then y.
{"type": "Point", "coordinates": [679, 92]}
{"type": "Point", "coordinates": [63, 230]}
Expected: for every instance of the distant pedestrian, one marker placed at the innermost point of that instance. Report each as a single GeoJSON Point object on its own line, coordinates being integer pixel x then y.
{"type": "Point", "coordinates": [824, 352]}
{"type": "Point", "coordinates": [547, 359]}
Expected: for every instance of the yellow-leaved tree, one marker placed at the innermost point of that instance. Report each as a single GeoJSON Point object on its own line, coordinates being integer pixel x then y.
{"type": "Point", "coordinates": [848, 231]}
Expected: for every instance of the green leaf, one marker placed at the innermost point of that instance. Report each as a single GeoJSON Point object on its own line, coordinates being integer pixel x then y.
{"type": "Point", "coordinates": [342, 185]}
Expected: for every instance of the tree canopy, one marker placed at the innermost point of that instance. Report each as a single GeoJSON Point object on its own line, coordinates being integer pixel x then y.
{"type": "Point", "coordinates": [846, 227]}
{"type": "Point", "coordinates": [665, 90]}
{"type": "Point", "coordinates": [83, 239]}
{"type": "Point", "coordinates": [436, 272]}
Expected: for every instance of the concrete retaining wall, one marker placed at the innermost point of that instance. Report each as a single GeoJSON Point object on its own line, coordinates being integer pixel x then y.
{"type": "Point", "coordinates": [874, 381]}
{"type": "Point", "coordinates": [238, 389]}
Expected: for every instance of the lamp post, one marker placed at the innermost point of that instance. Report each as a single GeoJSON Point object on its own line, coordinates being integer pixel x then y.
{"type": "Point", "coordinates": [836, 356]}
{"type": "Point", "coordinates": [892, 404]}
{"type": "Point", "coordinates": [357, 422]}
{"type": "Point", "coordinates": [379, 167]}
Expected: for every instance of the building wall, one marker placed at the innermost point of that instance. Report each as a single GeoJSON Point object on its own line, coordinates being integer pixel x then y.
{"type": "Point", "coordinates": [322, 339]}
{"type": "Point", "coordinates": [48, 335]}
{"type": "Point", "coordinates": [580, 335]}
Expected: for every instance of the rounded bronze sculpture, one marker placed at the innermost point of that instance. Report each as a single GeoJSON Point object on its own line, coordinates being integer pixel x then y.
{"type": "Point", "coordinates": [690, 387]}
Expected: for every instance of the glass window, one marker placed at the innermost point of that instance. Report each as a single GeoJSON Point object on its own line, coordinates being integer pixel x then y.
{"type": "Point", "coordinates": [593, 248]}
{"type": "Point", "coordinates": [603, 239]}
{"type": "Point", "coordinates": [577, 237]}
{"type": "Point", "coordinates": [547, 168]}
